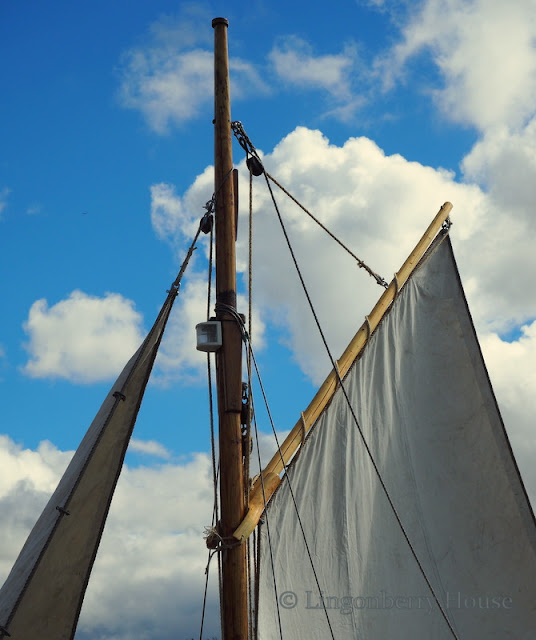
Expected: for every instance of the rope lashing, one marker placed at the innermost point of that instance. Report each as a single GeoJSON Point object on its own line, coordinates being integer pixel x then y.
{"type": "Point", "coordinates": [216, 542]}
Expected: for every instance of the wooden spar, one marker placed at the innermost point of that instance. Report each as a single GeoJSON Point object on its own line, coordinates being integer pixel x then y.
{"type": "Point", "coordinates": [229, 357]}
{"type": "Point", "coordinates": [328, 388]}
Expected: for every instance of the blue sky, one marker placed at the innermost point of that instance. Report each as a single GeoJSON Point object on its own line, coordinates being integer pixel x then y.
{"type": "Point", "coordinates": [373, 113]}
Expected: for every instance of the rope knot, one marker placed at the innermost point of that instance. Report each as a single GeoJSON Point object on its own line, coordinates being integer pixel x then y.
{"type": "Point", "coordinates": [215, 541]}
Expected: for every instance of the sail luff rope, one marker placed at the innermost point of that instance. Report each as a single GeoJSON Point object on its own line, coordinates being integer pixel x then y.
{"type": "Point", "coordinates": [354, 416]}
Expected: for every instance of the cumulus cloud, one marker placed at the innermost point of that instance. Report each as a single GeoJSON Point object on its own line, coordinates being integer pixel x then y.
{"type": "Point", "coordinates": [150, 448]}
{"type": "Point", "coordinates": [28, 479]}
{"type": "Point", "coordinates": [178, 357]}
{"type": "Point", "coordinates": [152, 553]}
{"type": "Point", "coordinates": [294, 62]}
{"type": "Point", "coordinates": [166, 88]}
{"type": "Point", "coordinates": [510, 365]}
{"type": "Point", "coordinates": [170, 215]}
{"type": "Point", "coordinates": [379, 205]}
{"type": "Point", "coordinates": [82, 338]}
{"type": "Point", "coordinates": [175, 218]}
{"type": "Point", "coordinates": [170, 77]}
{"type": "Point", "coordinates": [504, 162]}
{"type": "Point", "coordinates": [166, 210]}
{"type": "Point", "coordinates": [485, 53]}
{"type": "Point", "coordinates": [148, 554]}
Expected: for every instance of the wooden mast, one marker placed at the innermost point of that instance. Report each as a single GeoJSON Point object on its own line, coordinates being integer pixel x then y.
{"type": "Point", "coordinates": [229, 357]}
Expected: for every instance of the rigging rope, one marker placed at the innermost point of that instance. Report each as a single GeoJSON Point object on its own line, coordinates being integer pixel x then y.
{"type": "Point", "coordinates": [210, 554]}
{"type": "Point", "coordinates": [251, 358]}
{"type": "Point", "coordinates": [302, 529]}
{"type": "Point", "coordinates": [258, 169]}
{"type": "Point", "coordinates": [205, 226]}
{"type": "Point", "coordinates": [276, 595]}
{"type": "Point", "coordinates": [362, 265]}
{"type": "Point", "coordinates": [354, 417]}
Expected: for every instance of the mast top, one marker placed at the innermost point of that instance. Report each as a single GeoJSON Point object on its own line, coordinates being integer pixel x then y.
{"type": "Point", "coordinates": [220, 21]}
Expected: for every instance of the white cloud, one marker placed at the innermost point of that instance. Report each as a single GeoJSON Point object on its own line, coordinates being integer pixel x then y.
{"type": "Point", "coordinates": [170, 78]}
{"type": "Point", "coordinates": [149, 447]}
{"type": "Point", "coordinates": [166, 88]}
{"type": "Point", "coordinates": [295, 63]}
{"type": "Point", "coordinates": [4, 193]}
{"type": "Point", "coordinates": [176, 219]}
{"type": "Point", "coordinates": [485, 51]}
{"type": "Point", "coordinates": [504, 162]}
{"type": "Point", "coordinates": [33, 209]}
{"type": "Point", "coordinates": [379, 205]}
{"type": "Point", "coordinates": [149, 551]}
{"type": "Point", "coordinates": [168, 216]}
{"type": "Point", "coordinates": [82, 338]}
{"type": "Point", "coordinates": [27, 480]}
{"type": "Point", "coordinates": [178, 357]}
{"type": "Point", "coordinates": [511, 368]}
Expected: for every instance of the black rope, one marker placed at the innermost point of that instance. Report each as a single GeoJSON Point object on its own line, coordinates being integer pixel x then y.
{"type": "Point", "coordinates": [249, 148]}
{"type": "Point", "coordinates": [267, 523]}
{"type": "Point", "coordinates": [360, 263]}
{"type": "Point", "coordinates": [251, 358]}
{"type": "Point", "coordinates": [210, 554]}
{"type": "Point", "coordinates": [257, 168]}
{"type": "Point", "coordinates": [302, 529]}
{"type": "Point", "coordinates": [354, 416]}
{"type": "Point", "coordinates": [215, 514]}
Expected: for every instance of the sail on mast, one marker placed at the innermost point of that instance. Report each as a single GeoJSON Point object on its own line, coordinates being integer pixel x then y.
{"type": "Point", "coordinates": [43, 594]}
{"type": "Point", "coordinates": [423, 400]}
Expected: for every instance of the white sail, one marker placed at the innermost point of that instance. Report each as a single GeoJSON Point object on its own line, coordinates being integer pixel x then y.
{"type": "Point", "coordinates": [422, 397]}
{"type": "Point", "coordinates": [42, 596]}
